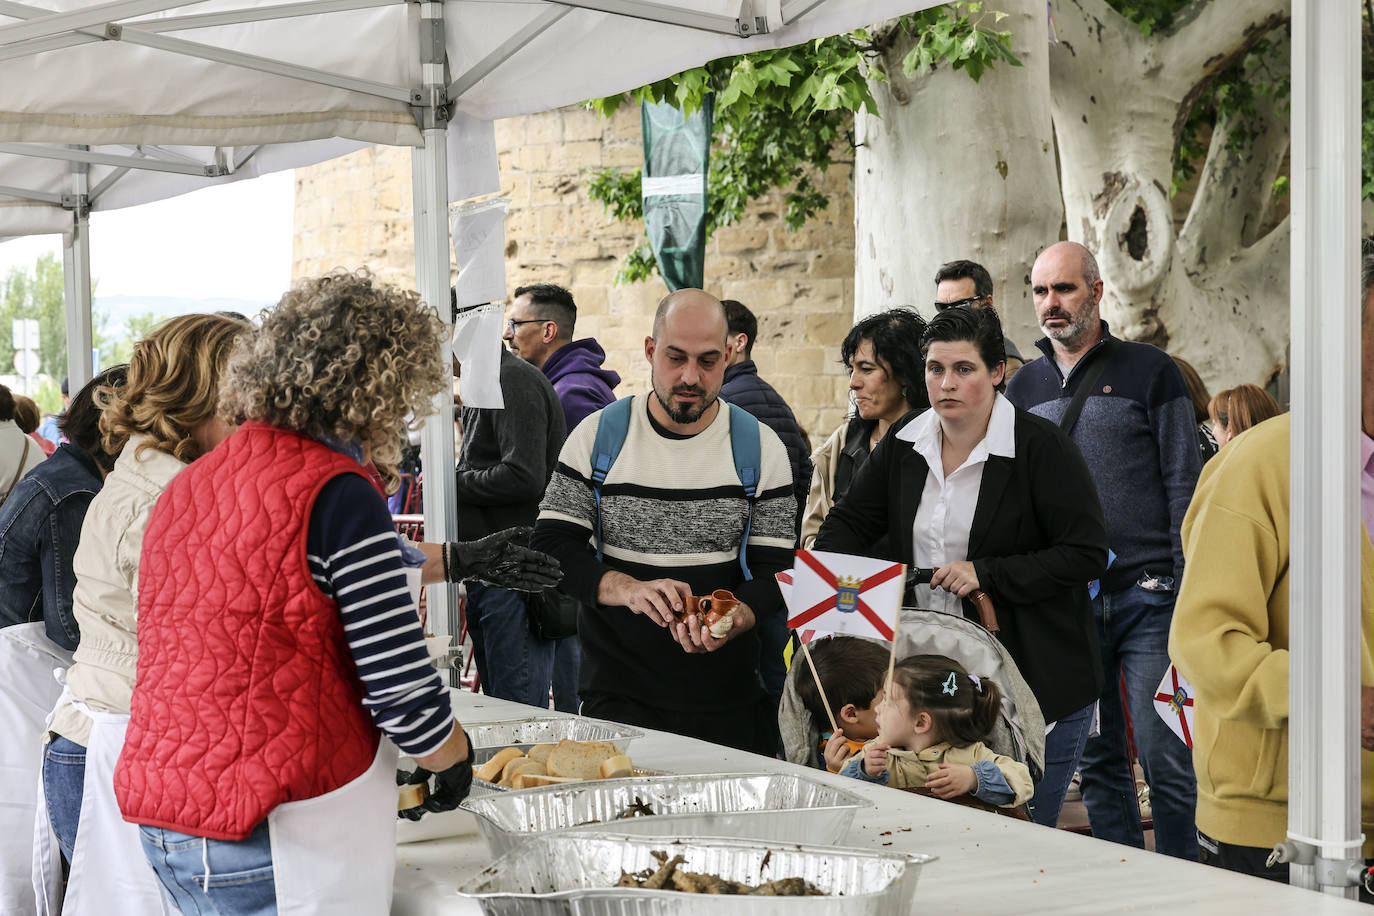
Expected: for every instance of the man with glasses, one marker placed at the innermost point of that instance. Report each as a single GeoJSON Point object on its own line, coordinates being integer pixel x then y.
{"type": "Point", "coordinates": [539, 330]}
{"type": "Point", "coordinates": [969, 283]}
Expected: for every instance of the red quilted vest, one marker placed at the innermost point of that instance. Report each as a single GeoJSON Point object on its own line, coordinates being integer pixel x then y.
{"type": "Point", "coordinates": [246, 694]}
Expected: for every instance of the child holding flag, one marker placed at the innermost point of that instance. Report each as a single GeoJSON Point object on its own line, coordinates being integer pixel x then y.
{"type": "Point", "coordinates": [931, 722]}
{"type": "Point", "coordinates": [851, 673]}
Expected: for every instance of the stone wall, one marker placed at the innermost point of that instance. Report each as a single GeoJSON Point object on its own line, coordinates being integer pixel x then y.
{"type": "Point", "coordinates": [356, 211]}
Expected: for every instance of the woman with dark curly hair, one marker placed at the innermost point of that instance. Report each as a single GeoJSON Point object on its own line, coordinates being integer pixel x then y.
{"type": "Point", "coordinates": [280, 652]}
{"type": "Point", "coordinates": [886, 381]}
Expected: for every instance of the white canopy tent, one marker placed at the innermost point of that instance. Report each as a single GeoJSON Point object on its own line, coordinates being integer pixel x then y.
{"type": "Point", "coordinates": [112, 104]}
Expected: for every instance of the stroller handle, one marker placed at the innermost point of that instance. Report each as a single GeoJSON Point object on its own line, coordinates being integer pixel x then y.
{"type": "Point", "coordinates": [987, 614]}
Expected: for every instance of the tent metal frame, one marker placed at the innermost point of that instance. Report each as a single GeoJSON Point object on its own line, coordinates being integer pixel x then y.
{"type": "Point", "coordinates": [1324, 814]}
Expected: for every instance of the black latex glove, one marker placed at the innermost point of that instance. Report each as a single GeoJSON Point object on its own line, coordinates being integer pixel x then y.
{"type": "Point", "coordinates": [451, 786]}
{"type": "Point", "coordinates": [503, 560]}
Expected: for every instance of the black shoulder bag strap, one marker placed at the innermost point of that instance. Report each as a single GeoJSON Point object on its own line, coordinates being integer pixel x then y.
{"type": "Point", "coordinates": [1070, 418]}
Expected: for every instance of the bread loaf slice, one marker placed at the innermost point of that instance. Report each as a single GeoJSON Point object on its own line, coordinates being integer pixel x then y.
{"type": "Point", "coordinates": [529, 781]}
{"type": "Point", "coordinates": [491, 770]}
{"type": "Point", "coordinates": [580, 759]}
{"type": "Point", "coordinates": [616, 767]}
{"type": "Point", "coordinates": [511, 768]}
{"type": "Point", "coordinates": [541, 753]}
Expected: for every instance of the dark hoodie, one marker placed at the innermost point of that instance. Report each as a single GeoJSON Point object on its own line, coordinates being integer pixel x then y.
{"type": "Point", "coordinates": [583, 386]}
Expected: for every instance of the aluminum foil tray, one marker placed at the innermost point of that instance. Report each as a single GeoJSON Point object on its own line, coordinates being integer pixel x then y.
{"type": "Point", "coordinates": [763, 806]}
{"type": "Point", "coordinates": [574, 874]}
{"type": "Point", "coordinates": [490, 737]}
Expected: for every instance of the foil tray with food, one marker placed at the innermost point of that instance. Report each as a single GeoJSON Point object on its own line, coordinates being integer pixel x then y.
{"type": "Point", "coordinates": [763, 806]}
{"type": "Point", "coordinates": [568, 761]}
{"type": "Point", "coordinates": [594, 874]}
{"type": "Point", "coordinates": [489, 738]}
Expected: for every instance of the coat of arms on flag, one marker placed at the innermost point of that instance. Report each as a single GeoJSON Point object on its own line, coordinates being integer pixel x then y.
{"type": "Point", "coordinates": [1174, 703]}
{"type": "Point", "coordinates": [838, 593]}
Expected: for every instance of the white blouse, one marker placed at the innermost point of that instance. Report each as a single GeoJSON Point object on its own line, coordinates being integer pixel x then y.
{"type": "Point", "coordinates": [944, 518]}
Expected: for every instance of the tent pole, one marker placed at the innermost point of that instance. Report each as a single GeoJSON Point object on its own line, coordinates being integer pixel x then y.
{"type": "Point", "coordinates": [76, 273]}
{"type": "Point", "coordinates": [429, 183]}
{"type": "Point", "coordinates": [1324, 664]}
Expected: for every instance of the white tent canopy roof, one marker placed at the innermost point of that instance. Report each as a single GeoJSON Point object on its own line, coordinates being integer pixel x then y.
{"type": "Point", "coordinates": [228, 89]}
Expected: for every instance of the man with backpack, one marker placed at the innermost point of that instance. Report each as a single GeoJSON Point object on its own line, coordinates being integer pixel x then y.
{"type": "Point", "coordinates": [663, 496]}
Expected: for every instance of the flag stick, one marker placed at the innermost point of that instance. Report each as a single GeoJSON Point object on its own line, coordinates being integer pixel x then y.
{"type": "Point", "coordinates": [834, 729]}
{"type": "Point", "coordinates": [892, 656]}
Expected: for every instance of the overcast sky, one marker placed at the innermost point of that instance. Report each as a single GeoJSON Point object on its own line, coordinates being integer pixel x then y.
{"type": "Point", "coordinates": [231, 241]}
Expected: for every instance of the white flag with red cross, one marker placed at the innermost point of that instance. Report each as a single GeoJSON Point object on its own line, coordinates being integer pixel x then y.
{"type": "Point", "coordinates": [1174, 703]}
{"type": "Point", "coordinates": [839, 593]}
{"type": "Point", "coordinates": [785, 586]}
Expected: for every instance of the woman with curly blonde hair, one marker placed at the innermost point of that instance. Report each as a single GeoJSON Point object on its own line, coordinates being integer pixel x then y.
{"type": "Point", "coordinates": [282, 661]}
{"type": "Point", "coordinates": [165, 411]}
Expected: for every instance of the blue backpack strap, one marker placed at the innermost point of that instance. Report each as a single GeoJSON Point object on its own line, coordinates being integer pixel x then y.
{"type": "Point", "coordinates": [744, 446]}
{"type": "Point", "coordinates": [611, 430]}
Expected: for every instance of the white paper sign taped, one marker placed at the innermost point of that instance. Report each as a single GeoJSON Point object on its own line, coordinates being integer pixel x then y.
{"type": "Point", "coordinates": [479, 245]}
{"type": "Point", "coordinates": [477, 347]}
{"type": "Point", "coordinates": [472, 170]}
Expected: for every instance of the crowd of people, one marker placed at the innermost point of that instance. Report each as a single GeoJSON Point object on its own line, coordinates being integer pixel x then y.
{"type": "Point", "coordinates": [208, 557]}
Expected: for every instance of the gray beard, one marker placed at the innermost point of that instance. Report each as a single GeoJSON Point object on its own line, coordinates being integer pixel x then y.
{"type": "Point", "coordinates": [1070, 333]}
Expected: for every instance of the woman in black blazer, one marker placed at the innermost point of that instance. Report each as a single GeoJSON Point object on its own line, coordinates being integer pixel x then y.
{"type": "Point", "coordinates": [993, 498]}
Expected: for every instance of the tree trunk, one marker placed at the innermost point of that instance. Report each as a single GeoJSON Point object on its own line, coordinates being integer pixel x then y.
{"type": "Point", "coordinates": [958, 169]}
{"type": "Point", "coordinates": [1218, 294]}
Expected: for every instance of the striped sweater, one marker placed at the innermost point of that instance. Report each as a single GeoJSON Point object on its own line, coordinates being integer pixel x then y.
{"type": "Point", "coordinates": [355, 558]}
{"type": "Point", "coordinates": [672, 507]}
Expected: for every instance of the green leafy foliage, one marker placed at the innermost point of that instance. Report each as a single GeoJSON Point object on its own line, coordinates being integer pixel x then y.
{"type": "Point", "coordinates": [38, 294]}
{"type": "Point", "coordinates": [783, 116]}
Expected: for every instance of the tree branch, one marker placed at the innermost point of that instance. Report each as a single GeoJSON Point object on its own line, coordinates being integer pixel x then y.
{"type": "Point", "coordinates": [1207, 36]}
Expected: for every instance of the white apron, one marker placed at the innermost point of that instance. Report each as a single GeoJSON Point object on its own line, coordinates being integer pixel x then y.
{"type": "Point", "coordinates": [28, 691]}
{"type": "Point", "coordinates": [336, 854]}
{"type": "Point", "coordinates": [107, 861]}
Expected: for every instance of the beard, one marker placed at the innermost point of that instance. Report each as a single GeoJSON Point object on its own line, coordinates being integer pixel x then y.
{"type": "Point", "coordinates": [688, 413]}
{"type": "Point", "coordinates": [1077, 325]}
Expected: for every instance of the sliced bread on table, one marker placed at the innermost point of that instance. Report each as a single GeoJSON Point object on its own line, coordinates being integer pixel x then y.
{"type": "Point", "coordinates": [541, 753]}
{"type": "Point", "coordinates": [616, 767]}
{"type": "Point", "coordinates": [531, 780]}
{"type": "Point", "coordinates": [580, 759]}
{"type": "Point", "coordinates": [492, 769]}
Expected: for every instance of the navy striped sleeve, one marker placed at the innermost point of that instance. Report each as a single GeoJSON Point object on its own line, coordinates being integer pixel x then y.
{"type": "Point", "coordinates": [355, 558]}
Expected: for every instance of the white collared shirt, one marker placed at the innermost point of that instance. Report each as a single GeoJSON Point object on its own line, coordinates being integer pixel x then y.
{"type": "Point", "coordinates": [940, 532]}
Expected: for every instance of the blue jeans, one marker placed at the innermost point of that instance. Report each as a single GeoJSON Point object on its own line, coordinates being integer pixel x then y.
{"type": "Point", "coordinates": [203, 877]}
{"type": "Point", "coordinates": [512, 662]}
{"type": "Point", "coordinates": [567, 662]}
{"type": "Point", "coordinates": [1134, 627]}
{"type": "Point", "coordinates": [1063, 748]}
{"type": "Point", "coordinates": [64, 782]}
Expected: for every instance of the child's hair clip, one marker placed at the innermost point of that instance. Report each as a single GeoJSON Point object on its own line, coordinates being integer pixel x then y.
{"type": "Point", "coordinates": [977, 682]}
{"type": "Point", "coordinates": [951, 686]}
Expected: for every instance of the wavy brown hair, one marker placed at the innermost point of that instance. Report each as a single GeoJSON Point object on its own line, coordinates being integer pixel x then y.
{"type": "Point", "coordinates": [343, 357]}
{"type": "Point", "coordinates": [1239, 408]}
{"type": "Point", "coordinates": [172, 385]}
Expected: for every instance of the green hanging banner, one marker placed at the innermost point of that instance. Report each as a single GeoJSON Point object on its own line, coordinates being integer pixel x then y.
{"type": "Point", "coordinates": [677, 154]}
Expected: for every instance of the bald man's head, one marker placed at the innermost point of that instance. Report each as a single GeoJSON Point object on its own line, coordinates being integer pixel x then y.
{"type": "Point", "coordinates": [1087, 263]}
{"type": "Point", "coordinates": [700, 306]}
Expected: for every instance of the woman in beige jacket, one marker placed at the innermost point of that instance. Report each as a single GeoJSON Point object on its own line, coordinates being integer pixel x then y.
{"type": "Point", "coordinates": [886, 381]}
{"type": "Point", "coordinates": [166, 414]}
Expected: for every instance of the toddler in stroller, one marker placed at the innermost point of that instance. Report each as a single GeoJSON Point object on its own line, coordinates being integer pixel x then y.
{"type": "Point", "coordinates": [1019, 732]}
{"type": "Point", "coordinates": [931, 720]}
{"type": "Point", "coordinates": [852, 671]}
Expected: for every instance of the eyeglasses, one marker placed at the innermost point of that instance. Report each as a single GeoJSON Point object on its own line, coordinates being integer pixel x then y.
{"type": "Point", "coordinates": [511, 324]}
{"type": "Point", "coordinates": [971, 300]}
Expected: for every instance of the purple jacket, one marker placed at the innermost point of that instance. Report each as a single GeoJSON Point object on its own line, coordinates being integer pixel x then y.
{"type": "Point", "coordinates": [583, 386]}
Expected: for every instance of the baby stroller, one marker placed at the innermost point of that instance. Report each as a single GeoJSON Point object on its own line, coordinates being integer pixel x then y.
{"type": "Point", "coordinates": [1020, 731]}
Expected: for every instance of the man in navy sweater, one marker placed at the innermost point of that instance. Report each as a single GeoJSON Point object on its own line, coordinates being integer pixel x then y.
{"type": "Point", "coordinates": [744, 388]}
{"type": "Point", "coordinates": [1137, 433]}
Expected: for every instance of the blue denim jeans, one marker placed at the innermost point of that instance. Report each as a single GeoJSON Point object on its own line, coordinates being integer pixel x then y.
{"type": "Point", "coordinates": [203, 877]}
{"type": "Point", "coordinates": [512, 662]}
{"type": "Point", "coordinates": [1134, 627]}
{"type": "Point", "coordinates": [1063, 748]}
{"type": "Point", "coordinates": [64, 782]}
{"type": "Point", "coordinates": [567, 662]}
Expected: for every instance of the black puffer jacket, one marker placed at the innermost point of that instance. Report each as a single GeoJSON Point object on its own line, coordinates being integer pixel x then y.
{"type": "Point", "coordinates": [744, 388]}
